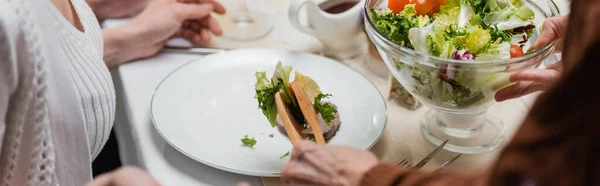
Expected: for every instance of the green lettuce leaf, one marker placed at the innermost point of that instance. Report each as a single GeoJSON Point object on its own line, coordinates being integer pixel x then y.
{"type": "Point", "coordinates": [477, 40]}
{"type": "Point", "coordinates": [448, 14]}
{"type": "Point", "coordinates": [505, 36]}
{"type": "Point", "coordinates": [418, 38]}
{"type": "Point", "coordinates": [262, 82]}
{"type": "Point", "coordinates": [436, 44]}
{"type": "Point", "coordinates": [477, 5]}
{"type": "Point", "coordinates": [507, 17]}
{"type": "Point", "coordinates": [265, 94]}
{"type": "Point", "coordinates": [465, 16]}
{"type": "Point", "coordinates": [525, 13]}
{"type": "Point", "coordinates": [449, 48]}
{"type": "Point", "coordinates": [396, 26]}
{"type": "Point", "coordinates": [497, 50]}
{"type": "Point", "coordinates": [281, 77]}
{"type": "Point", "coordinates": [409, 11]}
{"type": "Point", "coordinates": [423, 20]}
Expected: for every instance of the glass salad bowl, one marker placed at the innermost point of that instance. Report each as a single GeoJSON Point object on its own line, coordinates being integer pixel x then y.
{"type": "Point", "coordinates": [458, 108]}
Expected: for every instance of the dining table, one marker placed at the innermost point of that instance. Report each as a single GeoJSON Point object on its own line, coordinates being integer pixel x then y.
{"type": "Point", "coordinates": [141, 145]}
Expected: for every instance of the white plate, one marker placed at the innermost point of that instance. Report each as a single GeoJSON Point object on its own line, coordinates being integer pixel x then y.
{"type": "Point", "coordinates": [205, 107]}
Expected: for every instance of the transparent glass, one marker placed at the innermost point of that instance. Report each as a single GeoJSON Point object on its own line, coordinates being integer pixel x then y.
{"type": "Point", "coordinates": [458, 115]}
{"type": "Point", "coordinates": [246, 20]}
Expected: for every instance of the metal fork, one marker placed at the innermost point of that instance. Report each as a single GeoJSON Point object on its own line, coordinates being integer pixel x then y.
{"type": "Point", "coordinates": [405, 163]}
{"type": "Point", "coordinates": [447, 163]}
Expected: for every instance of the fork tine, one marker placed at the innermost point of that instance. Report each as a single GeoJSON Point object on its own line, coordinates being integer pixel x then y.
{"type": "Point", "coordinates": [447, 163]}
{"type": "Point", "coordinates": [431, 155]}
{"type": "Point", "coordinates": [401, 162]}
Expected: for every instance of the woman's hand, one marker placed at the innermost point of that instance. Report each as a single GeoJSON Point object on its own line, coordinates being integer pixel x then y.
{"type": "Point", "coordinates": [148, 32]}
{"type": "Point", "coordinates": [530, 81]}
{"type": "Point", "coordinates": [124, 176]}
{"type": "Point", "coordinates": [553, 29]}
{"type": "Point", "coordinates": [533, 80]}
{"type": "Point", "coordinates": [313, 164]}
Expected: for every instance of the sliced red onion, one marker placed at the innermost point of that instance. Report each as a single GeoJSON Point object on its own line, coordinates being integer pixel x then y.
{"type": "Point", "coordinates": [463, 55]}
{"type": "Point", "coordinates": [523, 29]}
{"type": "Point", "coordinates": [524, 40]}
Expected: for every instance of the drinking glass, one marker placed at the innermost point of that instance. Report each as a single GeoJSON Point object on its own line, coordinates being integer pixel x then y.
{"type": "Point", "coordinates": [246, 20]}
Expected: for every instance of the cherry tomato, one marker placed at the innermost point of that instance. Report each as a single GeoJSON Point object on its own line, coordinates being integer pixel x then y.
{"type": "Point", "coordinates": [435, 9]}
{"type": "Point", "coordinates": [423, 6]}
{"type": "Point", "coordinates": [396, 6]}
{"type": "Point", "coordinates": [515, 51]}
{"type": "Point", "coordinates": [436, 6]}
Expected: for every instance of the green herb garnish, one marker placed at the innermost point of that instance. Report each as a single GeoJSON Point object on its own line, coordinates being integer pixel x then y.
{"type": "Point", "coordinates": [327, 111]}
{"type": "Point", "coordinates": [248, 142]}
{"type": "Point", "coordinates": [285, 155]}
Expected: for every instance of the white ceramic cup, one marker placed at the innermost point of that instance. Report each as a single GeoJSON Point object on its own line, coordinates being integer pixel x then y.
{"type": "Point", "coordinates": [338, 32]}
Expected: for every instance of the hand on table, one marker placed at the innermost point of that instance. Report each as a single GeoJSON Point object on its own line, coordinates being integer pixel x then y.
{"type": "Point", "coordinates": [533, 80]}
{"type": "Point", "coordinates": [161, 20]}
{"type": "Point", "coordinates": [124, 176]}
{"type": "Point", "coordinates": [313, 164]}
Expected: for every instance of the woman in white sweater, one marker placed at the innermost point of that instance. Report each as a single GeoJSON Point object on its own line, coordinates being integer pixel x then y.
{"type": "Point", "coordinates": [57, 100]}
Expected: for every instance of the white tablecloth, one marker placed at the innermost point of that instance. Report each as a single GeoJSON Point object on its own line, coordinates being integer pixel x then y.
{"type": "Point", "coordinates": [142, 146]}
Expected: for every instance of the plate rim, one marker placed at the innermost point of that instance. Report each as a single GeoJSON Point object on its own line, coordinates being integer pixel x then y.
{"type": "Point", "coordinates": [248, 173]}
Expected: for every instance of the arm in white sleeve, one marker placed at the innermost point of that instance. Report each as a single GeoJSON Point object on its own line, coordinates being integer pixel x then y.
{"type": "Point", "coordinates": [8, 63]}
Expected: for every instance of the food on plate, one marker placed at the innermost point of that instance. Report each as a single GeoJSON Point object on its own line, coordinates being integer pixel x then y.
{"type": "Point", "coordinates": [246, 141]}
{"type": "Point", "coordinates": [326, 112]}
{"type": "Point", "coordinates": [285, 155]}
{"type": "Point", "coordinates": [467, 30]}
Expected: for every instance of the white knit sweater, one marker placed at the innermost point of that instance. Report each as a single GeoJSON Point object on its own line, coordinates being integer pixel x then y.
{"type": "Point", "coordinates": [57, 100]}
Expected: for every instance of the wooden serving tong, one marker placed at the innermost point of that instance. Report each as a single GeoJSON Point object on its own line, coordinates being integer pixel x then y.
{"type": "Point", "coordinates": [290, 124]}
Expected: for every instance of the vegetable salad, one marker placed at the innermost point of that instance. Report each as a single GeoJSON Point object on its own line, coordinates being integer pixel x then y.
{"type": "Point", "coordinates": [469, 30]}
{"type": "Point", "coordinates": [266, 90]}
{"type": "Point", "coordinates": [484, 28]}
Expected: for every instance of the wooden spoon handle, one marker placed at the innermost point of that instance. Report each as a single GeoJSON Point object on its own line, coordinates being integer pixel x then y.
{"type": "Point", "coordinates": [308, 111]}
{"type": "Point", "coordinates": [288, 121]}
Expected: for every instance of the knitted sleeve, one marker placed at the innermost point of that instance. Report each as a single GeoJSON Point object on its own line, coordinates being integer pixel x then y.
{"type": "Point", "coordinates": [8, 65]}
{"type": "Point", "coordinates": [23, 108]}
